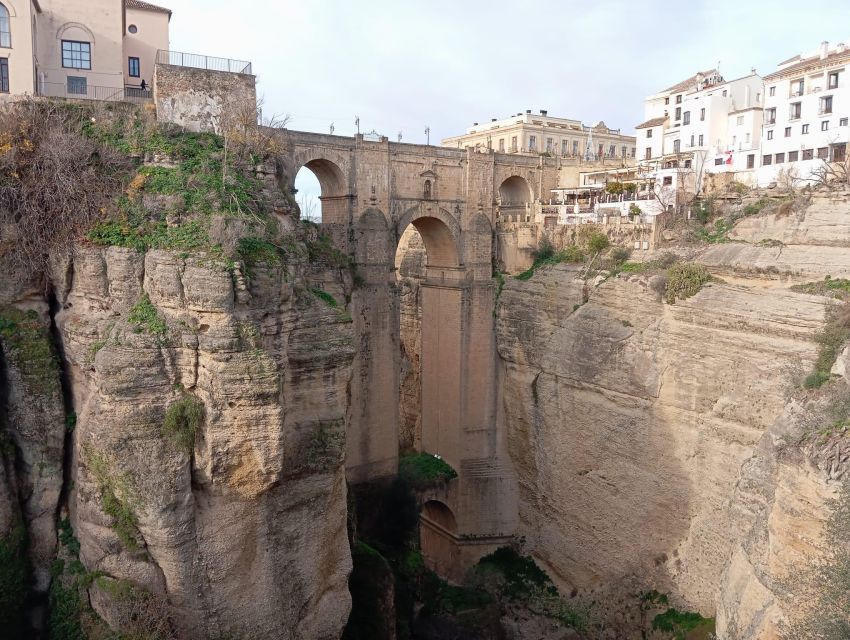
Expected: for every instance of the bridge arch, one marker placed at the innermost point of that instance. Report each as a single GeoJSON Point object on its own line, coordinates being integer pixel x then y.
{"type": "Point", "coordinates": [438, 538]}
{"type": "Point", "coordinates": [515, 190]}
{"type": "Point", "coordinates": [332, 206]}
{"type": "Point", "coordinates": [440, 232]}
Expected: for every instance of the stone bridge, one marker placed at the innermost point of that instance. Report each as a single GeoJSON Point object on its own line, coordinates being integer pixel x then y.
{"type": "Point", "coordinates": [371, 192]}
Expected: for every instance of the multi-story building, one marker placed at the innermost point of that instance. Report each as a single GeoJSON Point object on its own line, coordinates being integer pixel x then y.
{"type": "Point", "coordinates": [544, 134]}
{"type": "Point", "coordinates": [807, 107]}
{"type": "Point", "coordinates": [99, 49]}
{"type": "Point", "coordinates": [704, 124]}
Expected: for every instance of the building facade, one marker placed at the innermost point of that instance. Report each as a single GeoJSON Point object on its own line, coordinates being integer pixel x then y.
{"type": "Point", "coordinates": [544, 134]}
{"type": "Point", "coordinates": [807, 107]}
{"type": "Point", "coordinates": [99, 49]}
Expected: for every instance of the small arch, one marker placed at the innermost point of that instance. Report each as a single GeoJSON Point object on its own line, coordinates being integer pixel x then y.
{"type": "Point", "coordinates": [438, 539]}
{"type": "Point", "coordinates": [440, 233]}
{"type": "Point", "coordinates": [440, 514]}
{"type": "Point", "coordinates": [61, 31]}
{"type": "Point", "coordinates": [330, 176]}
{"type": "Point", "coordinates": [515, 190]}
{"type": "Point", "coordinates": [323, 202]}
{"type": "Point", "coordinates": [427, 192]}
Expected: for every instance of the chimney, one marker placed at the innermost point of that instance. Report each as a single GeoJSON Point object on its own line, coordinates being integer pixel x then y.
{"type": "Point", "coordinates": [840, 47]}
{"type": "Point", "coordinates": [492, 119]}
{"type": "Point", "coordinates": [749, 95]}
{"type": "Point", "coordinates": [824, 49]}
{"type": "Point", "coordinates": [543, 112]}
{"type": "Point", "coordinates": [474, 124]}
{"type": "Point", "coordinates": [528, 110]}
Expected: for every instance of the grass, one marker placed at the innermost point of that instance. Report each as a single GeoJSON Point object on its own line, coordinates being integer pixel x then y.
{"type": "Point", "coordinates": [28, 346]}
{"type": "Point", "coordinates": [682, 623]}
{"type": "Point", "coordinates": [571, 254]}
{"type": "Point", "coordinates": [14, 579]}
{"type": "Point", "coordinates": [835, 288]}
{"type": "Point", "coordinates": [146, 319]}
{"type": "Point", "coordinates": [831, 340]}
{"type": "Point", "coordinates": [325, 297]}
{"type": "Point", "coordinates": [253, 250]}
{"type": "Point", "coordinates": [116, 499]}
{"type": "Point", "coordinates": [685, 280]}
{"type": "Point", "coordinates": [718, 235]}
{"type": "Point", "coordinates": [423, 470]}
{"type": "Point", "coordinates": [182, 420]}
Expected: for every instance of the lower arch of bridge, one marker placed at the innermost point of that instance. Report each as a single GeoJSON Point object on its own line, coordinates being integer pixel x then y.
{"type": "Point", "coordinates": [439, 231]}
{"type": "Point", "coordinates": [438, 538]}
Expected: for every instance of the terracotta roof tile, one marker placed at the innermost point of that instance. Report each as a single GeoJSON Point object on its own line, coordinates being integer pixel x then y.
{"type": "Point", "coordinates": [138, 4]}
{"type": "Point", "coordinates": [812, 62]}
{"type": "Point", "coordinates": [689, 83]}
{"type": "Point", "coordinates": [652, 123]}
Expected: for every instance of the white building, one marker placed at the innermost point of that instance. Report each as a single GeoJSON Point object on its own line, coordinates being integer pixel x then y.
{"type": "Point", "coordinates": [704, 124]}
{"type": "Point", "coordinates": [807, 107]}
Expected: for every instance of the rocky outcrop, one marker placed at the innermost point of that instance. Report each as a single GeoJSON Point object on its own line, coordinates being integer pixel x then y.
{"type": "Point", "coordinates": [244, 531]}
{"type": "Point", "coordinates": [630, 421]}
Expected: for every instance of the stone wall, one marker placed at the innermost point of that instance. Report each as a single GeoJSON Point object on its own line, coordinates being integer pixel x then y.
{"type": "Point", "coordinates": [198, 99]}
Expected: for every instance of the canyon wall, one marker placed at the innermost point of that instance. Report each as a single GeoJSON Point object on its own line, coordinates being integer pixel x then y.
{"type": "Point", "coordinates": [652, 439]}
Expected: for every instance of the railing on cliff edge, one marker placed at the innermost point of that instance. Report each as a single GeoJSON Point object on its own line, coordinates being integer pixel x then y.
{"type": "Point", "coordinates": [198, 61]}
{"type": "Point", "coordinates": [93, 92]}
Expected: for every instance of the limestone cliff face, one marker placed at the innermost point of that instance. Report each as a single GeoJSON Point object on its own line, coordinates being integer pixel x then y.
{"type": "Point", "coordinates": [245, 533]}
{"type": "Point", "coordinates": [634, 425]}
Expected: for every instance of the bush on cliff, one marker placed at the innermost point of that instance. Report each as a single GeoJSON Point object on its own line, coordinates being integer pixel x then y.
{"type": "Point", "coordinates": [685, 280]}
{"type": "Point", "coordinates": [182, 420]}
{"type": "Point", "coordinates": [423, 470]}
{"type": "Point", "coordinates": [831, 340]}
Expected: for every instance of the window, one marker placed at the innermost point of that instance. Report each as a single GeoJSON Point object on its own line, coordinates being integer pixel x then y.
{"type": "Point", "coordinates": [700, 139]}
{"type": "Point", "coordinates": [133, 28]}
{"type": "Point", "coordinates": [797, 87]}
{"type": "Point", "coordinates": [842, 122]}
{"type": "Point", "coordinates": [780, 158]}
{"type": "Point", "coordinates": [634, 151]}
{"type": "Point", "coordinates": [678, 113]}
{"type": "Point", "coordinates": [769, 116]}
{"type": "Point", "coordinates": [692, 139]}
{"type": "Point", "coordinates": [747, 138]}
{"type": "Point", "coordinates": [824, 125]}
{"type": "Point", "coordinates": [686, 119]}
{"type": "Point", "coordinates": [702, 114]}
{"type": "Point", "coordinates": [513, 143]}
{"type": "Point", "coordinates": [808, 154]}
{"type": "Point", "coordinates": [795, 111]}
{"type": "Point", "coordinates": [766, 160]}
{"type": "Point", "coordinates": [532, 143]}
{"type": "Point", "coordinates": [612, 151]}
{"type": "Point", "coordinates": [823, 153]}
{"type": "Point", "coordinates": [751, 161]}
{"type": "Point", "coordinates": [787, 132]}
{"type": "Point", "coordinates": [740, 120]}
{"type": "Point", "coordinates": [770, 135]}
{"type": "Point", "coordinates": [5, 31]}
{"type": "Point", "coordinates": [649, 133]}
{"type": "Point", "coordinates": [76, 55]}
{"type": "Point", "coordinates": [839, 152]}
{"type": "Point", "coordinates": [771, 91]}
{"type": "Point", "coordinates": [687, 164]}
{"type": "Point", "coordinates": [825, 105]}
{"type": "Point", "coordinates": [718, 162]}
{"type": "Point", "coordinates": [832, 83]}
{"type": "Point", "coordinates": [575, 147]}
{"type": "Point", "coordinates": [679, 99]}
{"type": "Point", "coordinates": [793, 156]}
{"type": "Point", "coordinates": [805, 128]}
{"type": "Point", "coordinates": [648, 154]}
{"type": "Point", "coordinates": [4, 75]}
{"type": "Point", "coordinates": [501, 145]}
{"type": "Point", "coordinates": [677, 146]}
{"type": "Point", "coordinates": [77, 86]}
{"type": "Point", "coordinates": [724, 93]}
{"type": "Point", "coordinates": [565, 147]}
{"type": "Point", "coordinates": [549, 145]}
{"type": "Point", "coordinates": [667, 100]}
{"type": "Point", "coordinates": [135, 70]}
{"type": "Point", "coordinates": [667, 181]}
{"type": "Point", "coordinates": [625, 151]}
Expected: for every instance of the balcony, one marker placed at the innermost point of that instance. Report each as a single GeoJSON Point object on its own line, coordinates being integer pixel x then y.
{"type": "Point", "coordinates": [197, 61]}
{"type": "Point", "coordinates": [94, 92]}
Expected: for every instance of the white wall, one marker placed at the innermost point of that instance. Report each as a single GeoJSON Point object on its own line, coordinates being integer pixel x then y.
{"type": "Point", "coordinates": [150, 37]}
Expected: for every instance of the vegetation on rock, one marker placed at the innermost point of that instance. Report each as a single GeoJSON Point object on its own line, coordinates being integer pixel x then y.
{"type": "Point", "coordinates": [26, 341]}
{"type": "Point", "coordinates": [424, 470]}
{"type": "Point", "coordinates": [14, 580]}
{"type": "Point", "coordinates": [182, 420]}
{"type": "Point", "coordinates": [685, 280]}
{"type": "Point", "coordinates": [146, 319]}
{"type": "Point", "coordinates": [831, 340]}
{"type": "Point", "coordinates": [116, 498]}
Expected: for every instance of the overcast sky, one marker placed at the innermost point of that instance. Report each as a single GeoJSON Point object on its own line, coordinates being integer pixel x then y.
{"type": "Point", "coordinates": [402, 65]}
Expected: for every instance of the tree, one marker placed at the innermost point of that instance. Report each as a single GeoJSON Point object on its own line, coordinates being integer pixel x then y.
{"type": "Point", "coordinates": [310, 208]}
{"type": "Point", "coordinates": [614, 188]}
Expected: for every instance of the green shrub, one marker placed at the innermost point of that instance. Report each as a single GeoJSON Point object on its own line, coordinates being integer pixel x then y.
{"type": "Point", "coordinates": [521, 574]}
{"type": "Point", "coordinates": [14, 580]}
{"type": "Point", "coordinates": [755, 208]}
{"type": "Point", "coordinates": [182, 420]}
{"type": "Point", "coordinates": [116, 499]}
{"type": "Point", "coordinates": [681, 622]}
{"type": "Point", "coordinates": [29, 349]}
{"type": "Point", "coordinates": [146, 318]}
{"type": "Point", "coordinates": [325, 297]}
{"type": "Point", "coordinates": [597, 242]}
{"type": "Point", "coordinates": [423, 470]}
{"type": "Point", "coordinates": [831, 340]}
{"type": "Point", "coordinates": [718, 235]}
{"type": "Point", "coordinates": [685, 280]}
{"type": "Point", "coordinates": [253, 250]}
{"type": "Point", "coordinates": [570, 254]}
{"type": "Point", "coordinates": [836, 288]}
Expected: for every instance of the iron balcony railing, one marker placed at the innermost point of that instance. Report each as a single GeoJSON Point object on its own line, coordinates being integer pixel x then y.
{"type": "Point", "coordinates": [197, 61]}
{"type": "Point", "coordinates": [93, 92]}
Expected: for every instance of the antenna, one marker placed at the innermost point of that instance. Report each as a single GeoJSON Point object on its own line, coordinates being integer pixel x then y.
{"type": "Point", "coordinates": [332, 128]}
{"type": "Point", "coordinates": [427, 135]}
{"type": "Point", "coordinates": [399, 136]}
{"type": "Point", "coordinates": [357, 122]}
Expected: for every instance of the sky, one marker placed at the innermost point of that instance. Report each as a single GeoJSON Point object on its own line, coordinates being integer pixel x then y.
{"type": "Point", "coordinates": [404, 65]}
